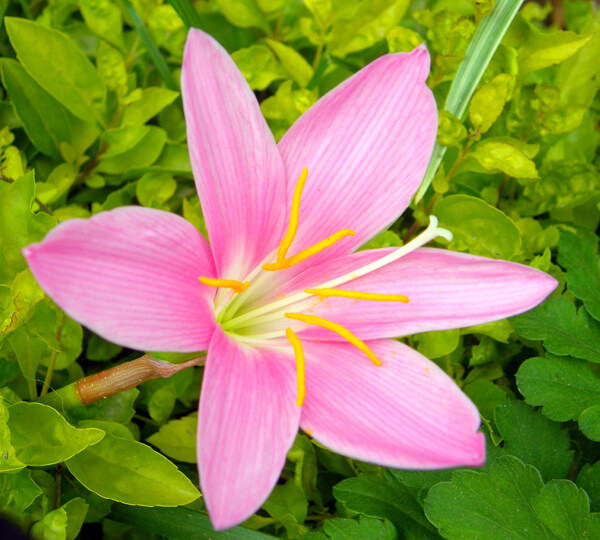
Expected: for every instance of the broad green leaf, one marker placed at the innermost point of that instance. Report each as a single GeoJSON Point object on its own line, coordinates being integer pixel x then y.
{"type": "Point", "coordinates": [17, 492]}
{"type": "Point", "coordinates": [101, 350]}
{"type": "Point", "coordinates": [589, 479]}
{"type": "Point", "coordinates": [104, 18]}
{"type": "Point", "coordinates": [542, 49]}
{"type": "Point", "coordinates": [534, 439]}
{"type": "Point", "coordinates": [563, 330]}
{"type": "Point", "coordinates": [288, 505]}
{"type": "Point", "coordinates": [117, 408]}
{"type": "Point", "coordinates": [43, 118]}
{"type": "Point", "coordinates": [154, 189]}
{"type": "Point", "coordinates": [293, 62]}
{"type": "Point", "coordinates": [162, 403]}
{"type": "Point", "coordinates": [359, 529]}
{"type": "Point", "coordinates": [41, 436]}
{"type": "Point", "coordinates": [487, 103]}
{"type": "Point", "coordinates": [582, 263]}
{"type": "Point", "coordinates": [505, 155]}
{"type": "Point", "coordinates": [589, 422]}
{"type": "Point", "coordinates": [486, 395]}
{"type": "Point", "coordinates": [177, 439]}
{"type": "Point", "coordinates": [28, 351]}
{"type": "Point", "coordinates": [59, 67]}
{"type": "Point", "coordinates": [8, 457]}
{"type": "Point", "coordinates": [58, 183]}
{"type": "Point", "coordinates": [259, 66]}
{"type": "Point", "coordinates": [437, 344]}
{"type": "Point", "coordinates": [487, 37]}
{"type": "Point", "coordinates": [18, 300]}
{"type": "Point", "coordinates": [564, 386]}
{"type": "Point", "coordinates": [372, 496]}
{"type": "Point", "coordinates": [243, 13]}
{"type": "Point", "coordinates": [64, 522]}
{"type": "Point", "coordinates": [19, 225]}
{"type": "Point", "coordinates": [478, 227]}
{"type": "Point", "coordinates": [563, 508]}
{"type": "Point", "coordinates": [142, 153]}
{"type": "Point", "coordinates": [488, 505]}
{"type": "Point", "coordinates": [139, 475]}
{"type": "Point", "coordinates": [152, 100]}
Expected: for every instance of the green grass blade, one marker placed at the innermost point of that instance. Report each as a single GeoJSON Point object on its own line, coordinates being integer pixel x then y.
{"type": "Point", "coordinates": [487, 37]}
{"type": "Point", "coordinates": [153, 52]}
{"type": "Point", "coordinates": [187, 13]}
{"type": "Point", "coordinates": [178, 523]}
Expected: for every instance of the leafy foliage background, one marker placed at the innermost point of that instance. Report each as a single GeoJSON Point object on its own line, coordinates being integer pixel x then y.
{"type": "Point", "coordinates": [91, 119]}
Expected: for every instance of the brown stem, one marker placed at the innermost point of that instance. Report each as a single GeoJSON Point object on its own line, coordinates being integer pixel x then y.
{"type": "Point", "coordinates": [115, 380]}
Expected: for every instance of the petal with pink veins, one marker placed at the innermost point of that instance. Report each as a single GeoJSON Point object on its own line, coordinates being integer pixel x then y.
{"type": "Point", "coordinates": [131, 276]}
{"type": "Point", "coordinates": [446, 290]}
{"type": "Point", "coordinates": [248, 420]}
{"type": "Point", "coordinates": [366, 145]}
{"type": "Point", "coordinates": [239, 173]}
{"type": "Point", "coordinates": [406, 413]}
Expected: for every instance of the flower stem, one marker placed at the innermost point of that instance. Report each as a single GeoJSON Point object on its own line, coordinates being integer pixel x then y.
{"type": "Point", "coordinates": [114, 380]}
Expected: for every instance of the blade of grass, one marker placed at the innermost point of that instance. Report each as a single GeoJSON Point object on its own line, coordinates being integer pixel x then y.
{"type": "Point", "coordinates": [187, 13]}
{"type": "Point", "coordinates": [487, 37]}
{"type": "Point", "coordinates": [178, 523]}
{"type": "Point", "coordinates": [153, 52]}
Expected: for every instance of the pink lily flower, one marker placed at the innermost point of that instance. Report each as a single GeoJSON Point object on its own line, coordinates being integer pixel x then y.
{"type": "Point", "coordinates": [297, 324]}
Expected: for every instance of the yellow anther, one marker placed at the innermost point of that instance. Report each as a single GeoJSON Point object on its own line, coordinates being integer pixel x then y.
{"type": "Point", "coordinates": [338, 329]}
{"type": "Point", "coordinates": [309, 252]}
{"type": "Point", "coordinates": [237, 286]}
{"type": "Point", "coordinates": [294, 215]}
{"type": "Point", "coordinates": [300, 378]}
{"type": "Point", "coordinates": [375, 297]}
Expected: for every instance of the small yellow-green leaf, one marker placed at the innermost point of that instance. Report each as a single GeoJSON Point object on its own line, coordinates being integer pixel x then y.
{"type": "Point", "coordinates": [41, 436]}
{"type": "Point", "coordinates": [502, 154]}
{"type": "Point", "coordinates": [152, 100]}
{"type": "Point", "coordinates": [478, 227]}
{"type": "Point", "coordinates": [487, 103]}
{"type": "Point", "coordinates": [293, 62]}
{"type": "Point", "coordinates": [177, 439]}
{"type": "Point", "coordinates": [401, 39]}
{"type": "Point", "coordinates": [139, 475]}
{"type": "Point", "coordinates": [259, 66]}
{"type": "Point", "coordinates": [437, 344]}
{"type": "Point", "coordinates": [104, 18]}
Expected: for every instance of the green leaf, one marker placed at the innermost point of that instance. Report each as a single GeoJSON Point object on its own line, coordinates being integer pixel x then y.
{"type": "Point", "coordinates": [177, 439]}
{"type": "Point", "coordinates": [151, 102]}
{"type": "Point", "coordinates": [488, 505]}
{"type": "Point", "coordinates": [179, 523]}
{"type": "Point", "coordinates": [293, 62]}
{"type": "Point", "coordinates": [243, 13]}
{"type": "Point", "coordinates": [259, 66]}
{"type": "Point", "coordinates": [138, 474]}
{"type": "Point", "coordinates": [64, 522]}
{"type": "Point", "coordinates": [162, 403]}
{"type": "Point", "coordinates": [154, 189]}
{"type": "Point", "coordinates": [43, 118]}
{"type": "Point", "coordinates": [17, 492]}
{"type": "Point", "coordinates": [478, 227]}
{"type": "Point", "coordinates": [59, 67]}
{"type": "Point", "coordinates": [103, 17]}
{"type": "Point", "coordinates": [101, 350]}
{"type": "Point", "coordinates": [564, 386]}
{"type": "Point", "coordinates": [534, 439]}
{"type": "Point", "coordinates": [542, 49]}
{"type": "Point", "coordinates": [19, 225]}
{"type": "Point", "coordinates": [8, 457]}
{"type": "Point", "coordinates": [578, 256]}
{"type": "Point", "coordinates": [401, 39]}
{"type": "Point", "coordinates": [117, 408]}
{"type": "Point", "coordinates": [41, 436]}
{"type": "Point", "coordinates": [563, 508]}
{"type": "Point", "coordinates": [589, 422]}
{"type": "Point", "coordinates": [375, 497]}
{"type": "Point", "coordinates": [506, 155]}
{"type": "Point", "coordinates": [288, 505]}
{"type": "Point", "coordinates": [18, 301]}
{"type": "Point", "coordinates": [487, 37]}
{"type": "Point", "coordinates": [359, 529]}
{"type": "Point", "coordinates": [563, 330]}
{"type": "Point", "coordinates": [437, 344]}
{"type": "Point", "coordinates": [589, 479]}
{"type": "Point", "coordinates": [487, 103]}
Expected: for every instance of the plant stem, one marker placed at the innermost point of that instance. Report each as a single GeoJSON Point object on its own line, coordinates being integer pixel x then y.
{"type": "Point", "coordinates": [114, 380]}
{"type": "Point", "coordinates": [50, 372]}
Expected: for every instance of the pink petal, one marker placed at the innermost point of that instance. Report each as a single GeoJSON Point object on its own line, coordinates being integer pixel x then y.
{"type": "Point", "coordinates": [239, 173]}
{"type": "Point", "coordinates": [405, 414]}
{"type": "Point", "coordinates": [131, 276]}
{"type": "Point", "coordinates": [248, 421]}
{"type": "Point", "coordinates": [446, 290]}
{"type": "Point", "coordinates": [366, 146]}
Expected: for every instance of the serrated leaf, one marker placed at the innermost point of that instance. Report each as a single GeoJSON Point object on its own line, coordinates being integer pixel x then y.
{"type": "Point", "coordinates": [564, 386]}
{"type": "Point", "coordinates": [488, 505]}
{"type": "Point", "coordinates": [534, 439]}
{"type": "Point", "coordinates": [589, 479]}
{"type": "Point", "coordinates": [589, 422]}
{"type": "Point", "coordinates": [59, 67]}
{"type": "Point", "coordinates": [563, 330]}
{"type": "Point", "coordinates": [358, 529]}
{"type": "Point", "coordinates": [578, 256]}
{"type": "Point", "coordinates": [139, 475]}
{"type": "Point", "coordinates": [41, 436]}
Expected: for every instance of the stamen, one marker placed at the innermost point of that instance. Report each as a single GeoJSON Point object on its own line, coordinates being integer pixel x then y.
{"type": "Point", "coordinates": [338, 329]}
{"type": "Point", "coordinates": [309, 252]}
{"type": "Point", "coordinates": [375, 297]}
{"type": "Point", "coordinates": [237, 286]}
{"type": "Point", "coordinates": [300, 377]}
{"type": "Point", "coordinates": [294, 214]}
